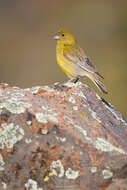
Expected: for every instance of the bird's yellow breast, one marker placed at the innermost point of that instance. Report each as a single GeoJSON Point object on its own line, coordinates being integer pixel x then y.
{"type": "Point", "coordinates": [66, 65]}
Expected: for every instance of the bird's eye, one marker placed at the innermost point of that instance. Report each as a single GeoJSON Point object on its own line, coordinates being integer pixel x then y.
{"type": "Point", "coordinates": [62, 34]}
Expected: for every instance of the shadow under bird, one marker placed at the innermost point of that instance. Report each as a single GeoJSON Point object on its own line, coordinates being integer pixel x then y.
{"type": "Point", "coordinates": [74, 62]}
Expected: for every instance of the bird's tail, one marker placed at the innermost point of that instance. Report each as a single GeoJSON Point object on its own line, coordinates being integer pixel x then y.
{"type": "Point", "coordinates": [100, 85]}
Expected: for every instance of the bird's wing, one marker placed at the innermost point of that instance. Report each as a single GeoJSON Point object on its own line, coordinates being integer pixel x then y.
{"type": "Point", "coordinates": [77, 56]}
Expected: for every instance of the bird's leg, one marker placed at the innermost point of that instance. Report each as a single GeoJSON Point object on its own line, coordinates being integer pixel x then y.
{"type": "Point", "coordinates": [61, 84]}
{"type": "Point", "coordinates": [74, 79]}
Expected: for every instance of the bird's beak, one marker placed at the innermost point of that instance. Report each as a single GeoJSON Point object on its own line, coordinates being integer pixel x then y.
{"type": "Point", "coordinates": [56, 37]}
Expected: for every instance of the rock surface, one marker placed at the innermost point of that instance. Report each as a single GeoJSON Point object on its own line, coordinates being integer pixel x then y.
{"type": "Point", "coordinates": [61, 137]}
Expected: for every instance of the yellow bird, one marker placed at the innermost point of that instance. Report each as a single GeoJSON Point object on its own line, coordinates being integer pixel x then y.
{"type": "Point", "coordinates": [73, 61]}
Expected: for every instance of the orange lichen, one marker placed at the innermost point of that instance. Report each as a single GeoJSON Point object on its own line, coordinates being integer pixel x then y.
{"type": "Point", "coordinates": [40, 91]}
{"type": "Point", "coordinates": [106, 184]}
{"type": "Point", "coordinates": [84, 187]}
{"type": "Point", "coordinates": [33, 170]}
{"type": "Point", "coordinates": [76, 141]}
{"type": "Point", "coordinates": [16, 167]}
{"type": "Point", "coordinates": [81, 173]}
{"type": "Point", "coordinates": [35, 126]}
{"type": "Point", "coordinates": [75, 162]}
{"type": "Point", "coordinates": [6, 152]}
{"type": "Point", "coordinates": [37, 163]}
{"type": "Point", "coordinates": [63, 160]}
{"type": "Point", "coordinates": [20, 176]}
{"type": "Point", "coordinates": [96, 157]}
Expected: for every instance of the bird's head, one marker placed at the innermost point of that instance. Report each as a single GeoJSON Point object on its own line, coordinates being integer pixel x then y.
{"type": "Point", "coordinates": [64, 37]}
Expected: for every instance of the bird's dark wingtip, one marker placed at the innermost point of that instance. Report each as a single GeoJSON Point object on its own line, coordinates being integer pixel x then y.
{"type": "Point", "coordinates": [99, 75]}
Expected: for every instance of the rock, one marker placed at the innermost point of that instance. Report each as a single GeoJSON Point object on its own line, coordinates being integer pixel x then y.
{"type": "Point", "coordinates": [61, 137]}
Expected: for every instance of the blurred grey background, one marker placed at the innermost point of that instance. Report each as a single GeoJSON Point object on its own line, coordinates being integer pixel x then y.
{"type": "Point", "coordinates": [27, 48]}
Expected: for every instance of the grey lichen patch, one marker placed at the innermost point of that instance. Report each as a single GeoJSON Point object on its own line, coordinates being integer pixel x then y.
{"type": "Point", "coordinates": [4, 185]}
{"type": "Point", "coordinates": [41, 118]}
{"type": "Point", "coordinates": [71, 174]}
{"type": "Point", "coordinates": [94, 115]}
{"type": "Point", "coordinates": [105, 146]}
{"type": "Point", "coordinates": [68, 119]}
{"type": "Point", "coordinates": [44, 132]}
{"type": "Point", "coordinates": [75, 108]}
{"type": "Point", "coordinates": [84, 133]}
{"type": "Point", "coordinates": [57, 164]}
{"type": "Point", "coordinates": [1, 92]}
{"type": "Point", "coordinates": [29, 122]}
{"type": "Point", "coordinates": [81, 130]}
{"type": "Point", "coordinates": [72, 100]}
{"type": "Point", "coordinates": [80, 94]}
{"type": "Point", "coordinates": [44, 118]}
{"type": "Point", "coordinates": [71, 84]}
{"type": "Point", "coordinates": [106, 165]}
{"type": "Point", "coordinates": [35, 89]}
{"type": "Point", "coordinates": [32, 185]}
{"type": "Point", "coordinates": [98, 97]}
{"type": "Point", "coordinates": [107, 174]}
{"type": "Point", "coordinates": [9, 135]}
{"type": "Point", "coordinates": [93, 169]}
{"type": "Point", "coordinates": [28, 140]}
{"type": "Point", "coordinates": [14, 101]}
{"type": "Point", "coordinates": [100, 143]}
{"type": "Point", "coordinates": [49, 89]}
{"type": "Point", "coordinates": [49, 109]}
{"type": "Point", "coordinates": [1, 163]}
{"type": "Point", "coordinates": [121, 119]}
{"type": "Point", "coordinates": [61, 139]}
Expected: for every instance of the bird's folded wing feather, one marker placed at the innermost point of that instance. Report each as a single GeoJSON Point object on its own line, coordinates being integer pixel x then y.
{"type": "Point", "coordinates": [77, 56]}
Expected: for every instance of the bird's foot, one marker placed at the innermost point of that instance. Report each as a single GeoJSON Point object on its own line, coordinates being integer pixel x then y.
{"type": "Point", "coordinates": [74, 79]}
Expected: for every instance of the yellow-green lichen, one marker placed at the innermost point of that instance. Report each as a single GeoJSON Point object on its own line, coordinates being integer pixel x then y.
{"type": "Point", "coordinates": [85, 117]}
{"type": "Point", "coordinates": [46, 178]}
